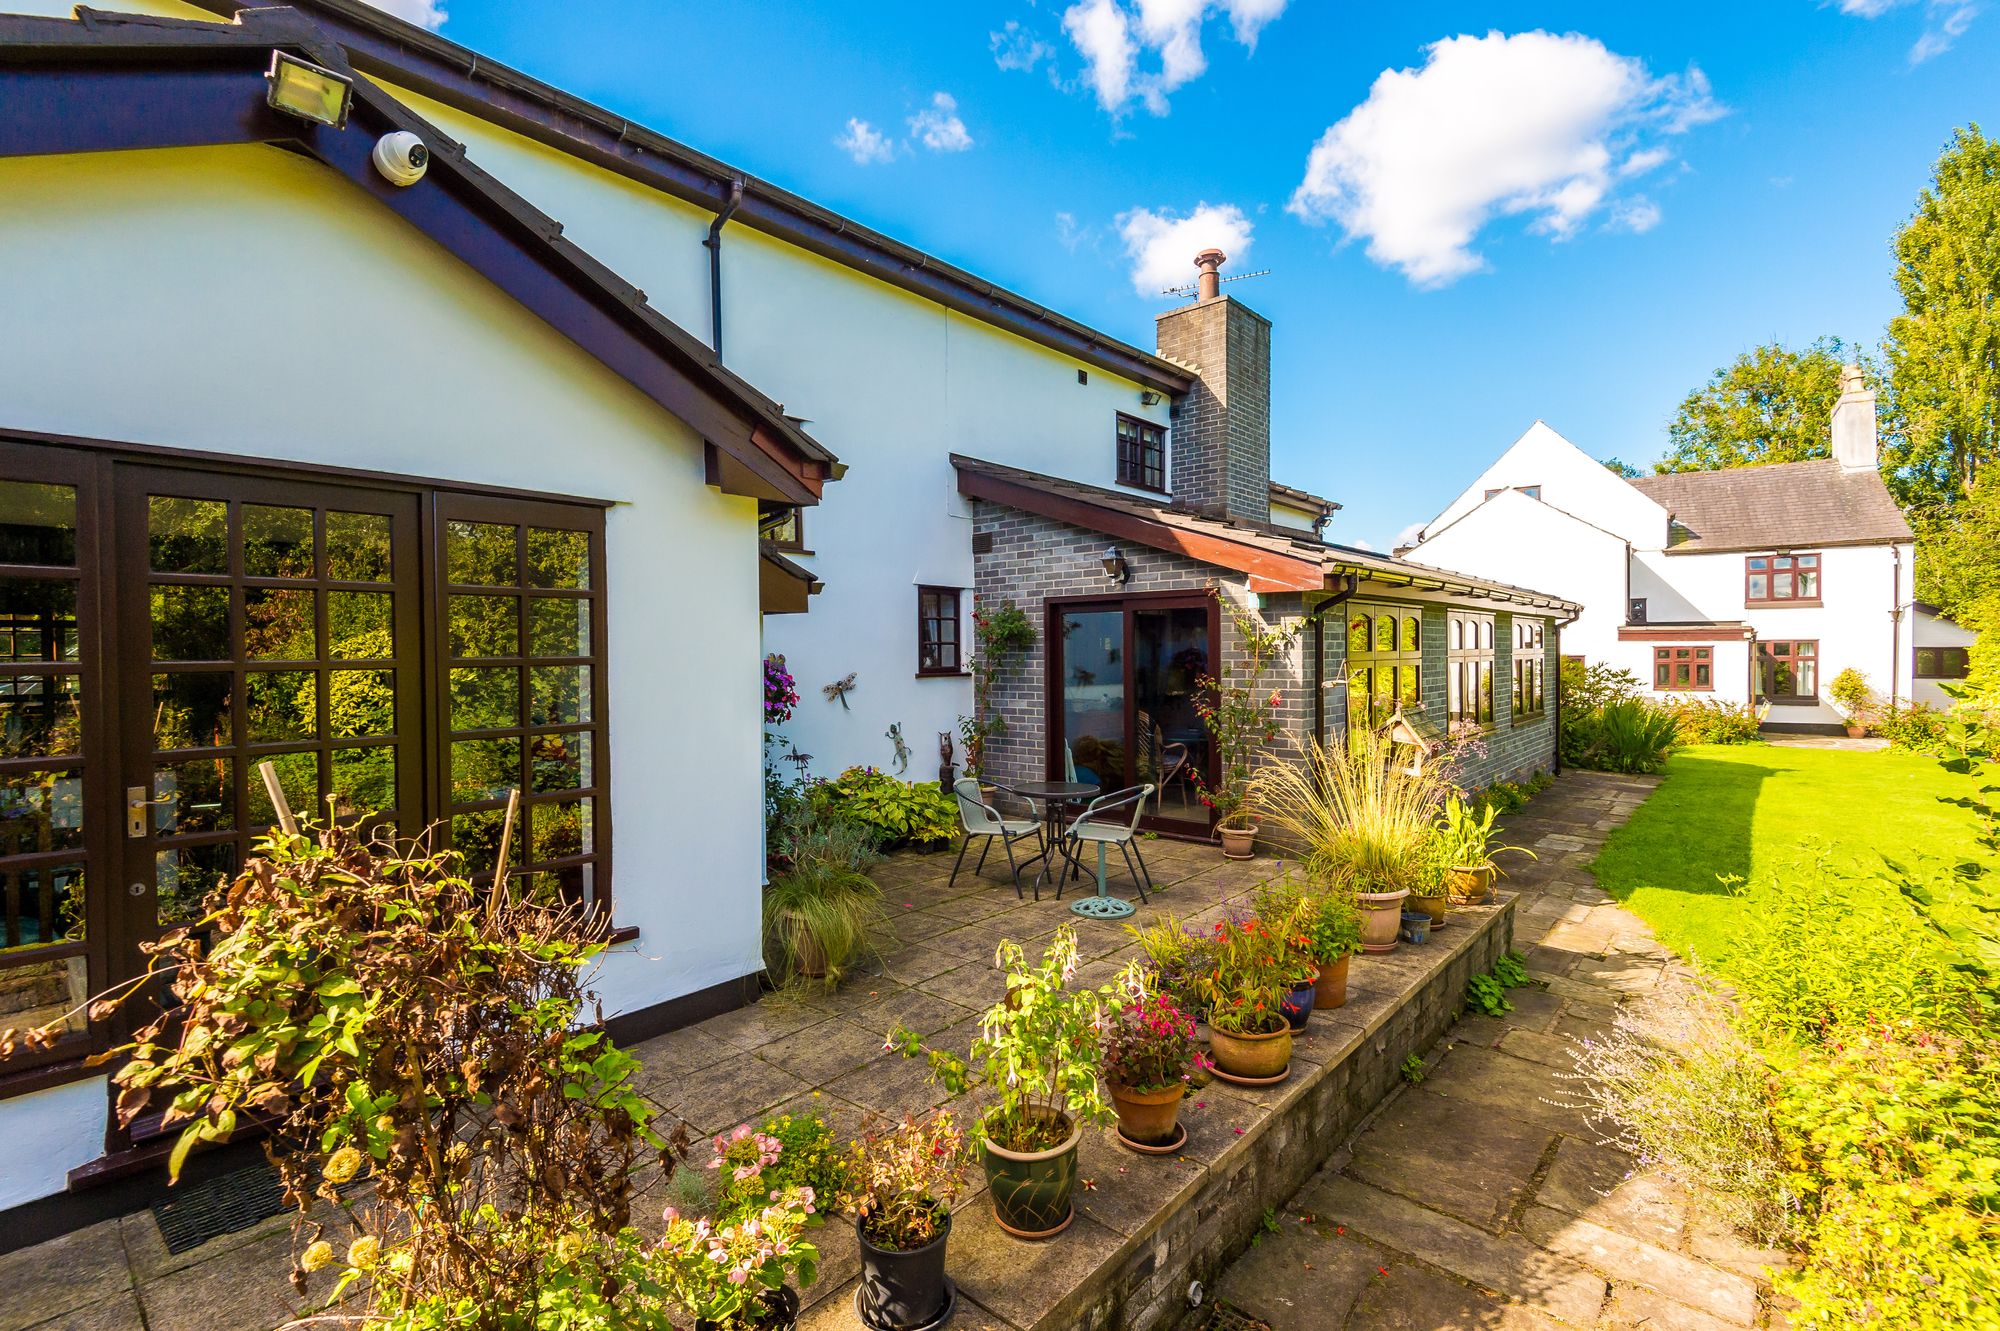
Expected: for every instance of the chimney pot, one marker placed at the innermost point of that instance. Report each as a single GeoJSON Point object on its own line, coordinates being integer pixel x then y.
{"type": "Point", "coordinates": [1209, 283]}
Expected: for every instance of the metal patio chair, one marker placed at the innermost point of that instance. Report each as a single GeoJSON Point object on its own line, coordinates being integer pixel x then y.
{"type": "Point", "coordinates": [1093, 827]}
{"type": "Point", "coordinates": [980, 819]}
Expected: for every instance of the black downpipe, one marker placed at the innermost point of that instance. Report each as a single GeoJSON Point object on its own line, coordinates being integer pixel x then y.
{"type": "Point", "coordinates": [714, 247]}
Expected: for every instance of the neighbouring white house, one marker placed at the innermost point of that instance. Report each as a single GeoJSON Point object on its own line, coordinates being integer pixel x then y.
{"type": "Point", "coordinates": [1943, 654]}
{"type": "Point", "coordinates": [521, 458]}
{"type": "Point", "coordinates": [1753, 585]}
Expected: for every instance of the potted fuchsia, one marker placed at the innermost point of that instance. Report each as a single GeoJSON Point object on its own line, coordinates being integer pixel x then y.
{"type": "Point", "coordinates": [1150, 1054]}
{"type": "Point", "coordinates": [904, 1182]}
{"type": "Point", "coordinates": [733, 1277]}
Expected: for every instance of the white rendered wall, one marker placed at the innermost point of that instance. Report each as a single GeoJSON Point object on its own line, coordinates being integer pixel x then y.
{"type": "Point", "coordinates": [891, 383]}
{"type": "Point", "coordinates": [1570, 480]}
{"type": "Point", "coordinates": [1284, 515]}
{"type": "Point", "coordinates": [134, 298]}
{"type": "Point", "coordinates": [1928, 630]}
{"type": "Point", "coordinates": [1853, 625]}
{"type": "Point", "coordinates": [49, 1133]}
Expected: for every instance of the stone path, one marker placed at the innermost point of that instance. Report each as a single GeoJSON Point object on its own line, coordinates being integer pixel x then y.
{"type": "Point", "coordinates": [1471, 1200]}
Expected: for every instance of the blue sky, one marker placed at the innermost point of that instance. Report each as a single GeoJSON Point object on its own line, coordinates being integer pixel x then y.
{"type": "Point", "coordinates": [1566, 211]}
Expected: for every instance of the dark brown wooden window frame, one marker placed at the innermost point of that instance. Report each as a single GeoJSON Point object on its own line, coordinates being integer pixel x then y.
{"type": "Point", "coordinates": [1767, 568]}
{"type": "Point", "coordinates": [930, 640]}
{"type": "Point", "coordinates": [1393, 652]}
{"type": "Point", "coordinates": [1531, 668]}
{"type": "Point", "coordinates": [1677, 668]}
{"type": "Point", "coordinates": [1142, 456]}
{"type": "Point", "coordinates": [1941, 667]}
{"type": "Point", "coordinates": [1469, 668]}
{"type": "Point", "coordinates": [795, 543]}
{"type": "Point", "coordinates": [1765, 652]}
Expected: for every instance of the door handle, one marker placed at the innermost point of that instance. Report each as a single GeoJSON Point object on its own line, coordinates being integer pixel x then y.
{"type": "Point", "coordinates": [136, 805]}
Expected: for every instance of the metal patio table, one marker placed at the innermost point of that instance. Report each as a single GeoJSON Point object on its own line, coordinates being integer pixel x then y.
{"type": "Point", "coordinates": [1056, 797]}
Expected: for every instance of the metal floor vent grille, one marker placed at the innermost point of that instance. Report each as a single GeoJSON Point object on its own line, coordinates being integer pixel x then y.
{"type": "Point", "coordinates": [1222, 1317]}
{"type": "Point", "coordinates": [222, 1205]}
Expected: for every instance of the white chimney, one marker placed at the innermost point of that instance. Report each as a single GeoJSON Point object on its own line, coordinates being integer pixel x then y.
{"type": "Point", "coordinates": [1854, 442]}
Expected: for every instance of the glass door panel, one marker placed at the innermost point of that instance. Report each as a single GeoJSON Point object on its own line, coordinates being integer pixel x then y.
{"type": "Point", "coordinates": [1092, 690]}
{"type": "Point", "coordinates": [1170, 744]}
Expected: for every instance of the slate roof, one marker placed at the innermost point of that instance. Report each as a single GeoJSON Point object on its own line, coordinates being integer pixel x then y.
{"type": "Point", "coordinates": [1287, 543]}
{"type": "Point", "coordinates": [1786, 505]}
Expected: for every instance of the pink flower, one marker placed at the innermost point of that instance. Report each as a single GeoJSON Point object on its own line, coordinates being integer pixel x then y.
{"type": "Point", "coordinates": [738, 1276]}
{"type": "Point", "coordinates": [670, 1215]}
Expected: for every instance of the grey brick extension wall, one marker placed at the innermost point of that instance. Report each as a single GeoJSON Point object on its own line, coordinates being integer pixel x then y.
{"type": "Point", "coordinates": [1032, 558]}
{"type": "Point", "coordinates": [1220, 445]}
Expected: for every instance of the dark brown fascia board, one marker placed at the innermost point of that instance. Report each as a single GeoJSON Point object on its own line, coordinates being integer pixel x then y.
{"type": "Point", "coordinates": [1267, 569]}
{"type": "Point", "coordinates": [100, 82]}
{"type": "Point", "coordinates": [424, 62]}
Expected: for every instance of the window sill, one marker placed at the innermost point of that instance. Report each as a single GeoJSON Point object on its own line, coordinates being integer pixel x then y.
{"type": "Point", "coordinates": [794, 550]}
{"type": "Point", "coordinates": [1783, 605]}
{"type": "Point", "coordinates": [49, 1075]}
{"type": "Point", "coordinates": [944, 674]}
{"type": "Point", "coordinates": [623, 933]}
{"type": "Point", "coordinates": [1792, 702]}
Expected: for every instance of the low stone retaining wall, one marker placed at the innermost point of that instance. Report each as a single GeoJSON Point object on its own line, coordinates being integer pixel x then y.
{"type": "Point", "coordinates": [1400, 1004]}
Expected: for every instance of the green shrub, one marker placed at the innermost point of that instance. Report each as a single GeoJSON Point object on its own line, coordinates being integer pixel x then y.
{"type": "Point", "coordinates": [1625, 736]}
{"type": "Point", "coordinates": [1710, 721]}
{"type": "Point", "coordinates": [1918, 727]}
{"type": "Point", "coordinates": [1587, 688]}
{"type": "Point", "coordinates": [915, 813]}
{"type": "Point", "coordinates": [785, 1151]}
{"type": "Point", "coordinates": [1505, 797]}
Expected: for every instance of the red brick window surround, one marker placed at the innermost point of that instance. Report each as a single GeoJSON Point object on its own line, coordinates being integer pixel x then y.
{"type": "Point", "coordinates": [938, 647]}
{"type": "Point", "coordinates": [1142, 454]}
{"type": "Point", "coordinates": [1684, 669]}
{"type": "Point", "coordinates": [1469, 667]}
{"type": "Point", "coordinates": [1781, 580]}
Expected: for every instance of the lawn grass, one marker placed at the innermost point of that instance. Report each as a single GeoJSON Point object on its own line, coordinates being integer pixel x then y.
{"type": "Point", "coordinates": [1752, 809]}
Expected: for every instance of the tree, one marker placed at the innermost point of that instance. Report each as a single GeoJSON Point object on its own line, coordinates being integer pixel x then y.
{"type": "Point", "coordinates": [1770, 404]}
{"type": "Point", "coordinates": [1620, 467]}
{"type": "Point", "coordinates": [1944, 349]}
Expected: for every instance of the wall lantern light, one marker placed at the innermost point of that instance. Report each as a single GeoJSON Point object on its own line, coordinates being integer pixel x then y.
{"type": "Point", "coordinates": [1115, 567]}
{"type": "Point", "coordinates": [303, 89]}
{"type": "Point", "coordinates": [1148, 398]}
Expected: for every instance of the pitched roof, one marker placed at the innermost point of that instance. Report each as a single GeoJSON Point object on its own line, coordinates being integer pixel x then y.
{"type": "Point", "coordinates": [415, 58]}
{"type": "Point", "coordinates": [1275, 558]}
{"type": "Point", "coordinates": [1787, 505]}
{"type": "Point", "coordinates": [108, 80]}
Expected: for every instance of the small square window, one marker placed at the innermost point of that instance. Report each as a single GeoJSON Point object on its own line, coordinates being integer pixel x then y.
{"type": "Point", "coordinates": [937, 631]}
{"type": "Point", "coordinates": [1142, 454]}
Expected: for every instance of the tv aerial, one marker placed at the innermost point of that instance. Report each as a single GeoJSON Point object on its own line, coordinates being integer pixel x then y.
{"type": "Point", "coordinates": [1186, 289]}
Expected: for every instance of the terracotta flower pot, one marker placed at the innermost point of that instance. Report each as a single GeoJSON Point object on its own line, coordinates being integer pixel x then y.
{"type": "Point", "coordinates": [1469, 884]}
{"type": "Point", "coordinates": [902, 1288]}
{"type": "Point", "coordinates": [1330, 991]}
{"type": "Point", "coordinates": [1381, 918]}
{"type": "Point", "coordinates": [1238, 843]}
{"type": "Point", "coordinates": [1255, 1056]}
{"type": "Point", "coordinates": [1856, 732]}
{"type": "Point", "coordinates": [781, 1312]}
{"type": "Point", "coordinates": [1031, 1189]}
{"type": "Point", "coordinates": [1147, 1117]}
{"type": "Point", "coordinates": [1433, 904]}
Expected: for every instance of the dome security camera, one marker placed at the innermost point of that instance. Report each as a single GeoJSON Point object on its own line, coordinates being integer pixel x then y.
{"type": "Point", "coordinates": [401, 157]}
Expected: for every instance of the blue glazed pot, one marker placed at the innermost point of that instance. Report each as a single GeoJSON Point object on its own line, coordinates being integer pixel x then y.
{"type": "Point", "coordinates": [1298, 1006]}
{"type": "Point", "coordinates": [1416, 926]}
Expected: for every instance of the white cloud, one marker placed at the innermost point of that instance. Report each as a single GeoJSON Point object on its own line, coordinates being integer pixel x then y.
{"type": "Point", "coordinates": [1162, 245]}
{"type": "Point", "coordinates": [423, 13]}
{"type": "Point", "coordinates": [1112, 35]}
{"type": "Point", "coordinates": [938, 127]}
{"type": "Point", "coordinates": [1014, 47]}
{"type": "Point", "coordinates": [1945, 21]}
{"type": "Point", "coordinates": [1637, 214]}
{"type": "Point", "coordinates": [1408, 537]}
{"type": "Point", "coordinates": [1535, 125]}
{"type": "Point", "coordinates": [864, 143]}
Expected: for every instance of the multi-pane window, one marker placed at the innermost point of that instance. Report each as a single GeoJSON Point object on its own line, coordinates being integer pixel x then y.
{"type": "Point", "coordinates": [1530, 668]}
{"type": "Point", "coordinates": [937, 632]}
{"type": "Point", "coordinates": [1788, 669]}
{"type": "Point", "coordinates": [1942, 663]}
{"type": "Point", "coordinates": [1385, 663]}
{"type": "Point", "coordinates": [1635, 610]}
{"type": "Point", "coordinates": [1142, 454]}
{"type": "Point", "coordinates": [787, 530]}
{"type": "Point", "coordinates": [1469, 666]}
{"type": "Point", "coordinates": [1684, 668]}
{"type": "Point", "coordinates": [524, 638]}
{"type": "Point", "coordinates": [1781, 579]}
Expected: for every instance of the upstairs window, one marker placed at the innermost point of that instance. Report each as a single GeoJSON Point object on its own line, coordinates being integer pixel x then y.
{"type": "Point", "coordinates": [1635, 610]}
{"type": "Point", "coordinates": [1942, 663]}
{"type": "Point", "coordinates": [1469, 667]}
{"type": "Point", "coordinates": [1142, 454]}
{"type": "Point", "coordinates": [1684, 669]}
{"type": "Point", "coordinates": [787, 531]}
{"type": "Point", "coordinates": [1530, 669]}
{"type": "Point", "coordinates": [937, 632]}
{"type": "Point", "coordinates": [1781, 580]}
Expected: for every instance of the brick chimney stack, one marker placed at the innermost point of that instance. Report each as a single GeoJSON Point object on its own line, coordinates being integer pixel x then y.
{"type": "Point", "coordinates": [1221, 449]}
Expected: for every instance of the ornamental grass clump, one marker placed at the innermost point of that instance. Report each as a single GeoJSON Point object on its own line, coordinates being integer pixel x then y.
{"type": "Point", "coordinates": [1358, 810]}
{"type": "Point", "coordinates": [905, 1179]}
{"type": "Point", "coordinates": [387, 1020]}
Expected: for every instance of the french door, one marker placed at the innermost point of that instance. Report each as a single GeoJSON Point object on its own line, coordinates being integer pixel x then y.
{"type": "Point", "coordinates": [1124, 676]}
